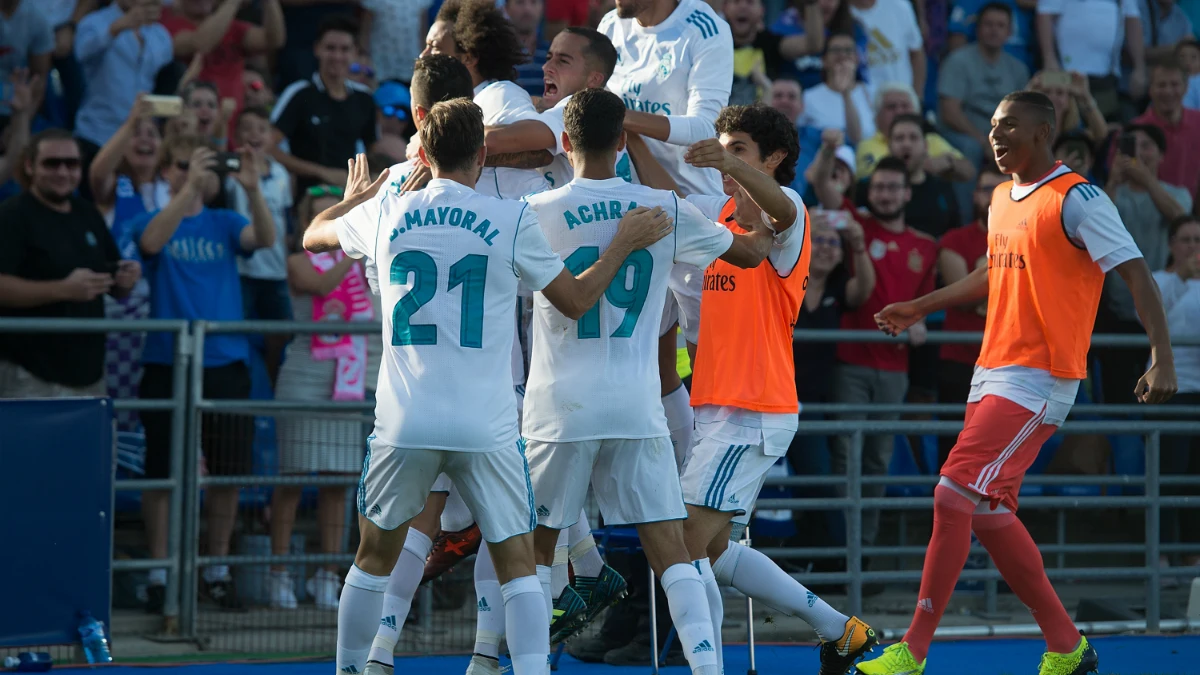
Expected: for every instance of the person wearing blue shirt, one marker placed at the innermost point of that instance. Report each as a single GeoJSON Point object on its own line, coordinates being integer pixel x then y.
{"type": "Point", "coordinates": [836, 18]}
{"type": "Point", "coordinates": [189, 252]}
{"type": "Point", "coordinates": [964, 14]}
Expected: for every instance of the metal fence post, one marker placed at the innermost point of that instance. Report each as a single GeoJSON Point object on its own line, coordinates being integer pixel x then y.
{"type": "Point", "coordinates": [854, 522]}
{"type": "Point", "coordinates": [189, 550]}
{"type": "Point", "coordinates": [1153, 527]}
{"type": "Point", "coordinates": [179, 420]}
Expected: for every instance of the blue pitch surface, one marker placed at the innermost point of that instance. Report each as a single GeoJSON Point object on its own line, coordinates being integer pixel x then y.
{"type": "Point", "coordinates": [1138, 655]}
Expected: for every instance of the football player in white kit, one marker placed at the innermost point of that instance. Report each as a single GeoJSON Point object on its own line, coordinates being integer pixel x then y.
{"type": "Point", "coordinates": [454, 259]}
{"type": "Point", "coordinates": [592, 409]}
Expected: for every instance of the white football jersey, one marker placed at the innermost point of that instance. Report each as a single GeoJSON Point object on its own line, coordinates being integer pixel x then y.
{"type": "Point", "coordinates": [503, 102]}
{"type": "Point", "coordinates": [681, 68]}
{"type": "Point", "coordinates": [454, 258]}
{"type": "Point", "coordinates": [560, 172]}
{"type": "Point", "coordinates": [597, 378]}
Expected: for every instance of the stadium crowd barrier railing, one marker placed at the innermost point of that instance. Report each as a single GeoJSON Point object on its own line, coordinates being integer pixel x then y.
{"type": "Point", "coordinates": [188, 404]}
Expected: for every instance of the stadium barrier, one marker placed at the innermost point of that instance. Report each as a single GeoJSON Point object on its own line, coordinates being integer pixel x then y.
{"type": "Point", "coordinates": [188, 405]}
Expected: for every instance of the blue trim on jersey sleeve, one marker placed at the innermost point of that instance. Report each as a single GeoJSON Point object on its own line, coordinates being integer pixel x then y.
{"type": "Point", "coordinates": [513, 264]}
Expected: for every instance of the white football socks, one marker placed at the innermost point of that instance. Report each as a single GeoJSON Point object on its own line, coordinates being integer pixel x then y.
{"type": "Point", "coordinates": [543, 577]}
{"type": "Point", "coordinates": [716, 607]}
{"type": "Point", "coordinates": [583, 553]}
{"type": "Point", "coordinates": [529, 626]}
{"type": "Point", "coordinates": [489, 616]}
{"type": "Point", "coordinates": [755, 575]}
{"type": "Point", "coordinates": [689, 611]}
{"type": "Point", "coordinates": [398, 597]}
{"type": "Point", "coordinates": [358, 615]}
{"type": "Point", "coordinates": [559, 576]}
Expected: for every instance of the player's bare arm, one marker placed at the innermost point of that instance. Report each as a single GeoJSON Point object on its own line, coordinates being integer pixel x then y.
{"type": "Point", "coordinates": [322, 235]}
{"type": "Point", "coordinates": [760, 187]}
{"type": "Point", "coordinates": [749, 250]}
{"type": "Point", "coordinates": [521, 136]}
{"type": "Point", "coordinates": [575, 295]}
{"type": "Point", "coordinates": [1159, 383]}
{"type": "Point", "coordinates": [898, 316]}
{"type": "Point", "coordinates": [650, 171]}
{"type": "Point", "coordinates": [530, 159]}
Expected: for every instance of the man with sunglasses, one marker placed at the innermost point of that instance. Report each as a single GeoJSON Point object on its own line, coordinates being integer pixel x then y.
{"type": "Point", "coordinates": [58, 261]}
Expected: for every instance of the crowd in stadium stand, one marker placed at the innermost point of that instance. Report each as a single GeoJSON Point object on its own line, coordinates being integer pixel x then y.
{"type": "Point", "coordinates": [890, 97]}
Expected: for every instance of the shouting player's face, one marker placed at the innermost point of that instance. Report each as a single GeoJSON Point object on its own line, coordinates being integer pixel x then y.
{"type": "Point", "coordinates": [566, 70]}
{"type": "Point", "coordinates": [440, 40]}
{"type": "Point", "coordinates": [1017, 129]}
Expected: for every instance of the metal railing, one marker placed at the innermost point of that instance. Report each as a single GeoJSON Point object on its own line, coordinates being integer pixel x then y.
{"type": "Point", "coordinates": [188, 404]}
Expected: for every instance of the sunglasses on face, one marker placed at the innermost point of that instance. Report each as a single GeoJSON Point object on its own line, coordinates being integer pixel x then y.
{"type": "Point", "coordinates": [325, 191]}
{"type": "Point", "coordinates": [394, 111]}
{"type": "Point", "coordinates": [360, 69]}
{"type": "Point", "coordinates": [60, 162]}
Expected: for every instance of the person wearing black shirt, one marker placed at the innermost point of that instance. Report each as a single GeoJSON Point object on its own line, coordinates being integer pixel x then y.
{"type": "Point", "coordinates": [325, 118]}
{"type": "Point", "coordinates": [58, 260]}
{"type": "Point", "coordinates": [834, 285]}
{"type": "Point", "coordinates": [933, 208]}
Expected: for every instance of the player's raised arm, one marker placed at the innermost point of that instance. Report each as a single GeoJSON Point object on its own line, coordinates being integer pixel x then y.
{"type": "Point", "coordinates": [710, 79]}
{"type": "Point", "coordinates": [761, 188]}
{"type": "Point", "coordinates": [340, 226]}
{"type": "Point", "coordinates": [575, 295]}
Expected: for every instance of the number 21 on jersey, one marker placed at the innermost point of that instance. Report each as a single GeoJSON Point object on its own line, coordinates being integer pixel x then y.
{"type": "Point", "coordinates": [470, 272]}
{"type": "Point", "coordinates": [624, 292]}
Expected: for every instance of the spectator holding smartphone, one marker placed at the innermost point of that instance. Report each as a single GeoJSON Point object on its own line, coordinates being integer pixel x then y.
{"type": "Point", "coordinates": [58, 261]}
{"type": "Point", "coordinates": [190, 251]}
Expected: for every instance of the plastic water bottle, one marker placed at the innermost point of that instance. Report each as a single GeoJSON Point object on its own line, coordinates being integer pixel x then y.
{"type": "Point", "coordinates": [95, 644]}
{"type": "Point", "coordinates": [29, 662]}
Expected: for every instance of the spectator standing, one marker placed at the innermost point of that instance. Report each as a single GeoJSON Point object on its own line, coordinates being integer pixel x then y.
{"type": "Point", "coordinates": [264, 274]}
{"type": "Point", "coordinates": [895, 48]}
{"type": "Point", "coordinates": [190, 252]}
{"type": "Point", "coordinates": [393, 102]}
{"type": "Point", "coordinates": [526, 18]}
{"type": "Point", "coordinates": [312, 372]}
{"type": "Point", "coordinates": [1179, 285]}
{"type": "Point", "coordinates": [756, 52]}
{"type": "Point", "coordinates": [1180, 125]}
{"type": "Point", "coordinates": [1087, 36]}
{"type": "Point", "coordinates": [892, 99]}
{"type": "Point", "coordinates": [831, 179]}
{"type": "Point", "coordinates": [1075, 109]}
{"type": "Point", "coordinates": [1164, 26]}
{"type": "Point", "coordinates": [932, 207]}
{"type": "Point", "coordinates": [964, 23]}
{"type": "Point", "coordinates": [904, 261]}
{"type": "Point", "coordinates": [328, 118]}
{"type": "Point", "coordinates": [58, 261]}
{"type": "Point", "coordinates": [392, 34]}
{"type": "Point", "coordinates": [962, 251]}
{"type": "Point", "coordinates": [840, 102]}
{"type": "Point", "coordinates": [120, 48]}
{"type": "Point", "coordinates": [209, 27]}
{"type": "Point", "coordinates": [825, 17]}
{"type": "Point", "coordinates": [787, 97]}
{"type": "Point", "coordinates": [1147, 205]}
{"type": "Point", "coordinates": [835, 285]}
{"type": "Point", "coordinates": [974, 78]}
{"type": "Point", "coordinates": [124, 179]}
{"type": "Point", "coordinates": [26, 41]}
{"type": "Point", "coordinates": [302, 19]}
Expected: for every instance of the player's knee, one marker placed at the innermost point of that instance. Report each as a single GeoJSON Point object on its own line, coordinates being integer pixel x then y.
{"type": "Point", "coordinates": [378, 549]}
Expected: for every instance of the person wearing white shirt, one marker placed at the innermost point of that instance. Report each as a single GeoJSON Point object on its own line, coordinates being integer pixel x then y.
{"type": "Point", "coordinates": [895, 47]}
{"type": "Point", "coordinates": [592, 412]}
{"type": "Point", "coordinates": [455, 258]}
{"type": "Point", "coordinates": [840, 102]}
{"type": "Point", "coordinates": [1087, 36]}
{"type": "Point", "coordinates": [1179, 285]}
{"type": "Point", "coordinates": [674, 72]}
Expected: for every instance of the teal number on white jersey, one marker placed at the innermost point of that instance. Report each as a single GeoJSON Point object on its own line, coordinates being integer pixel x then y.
{"type": "Point", "coordinates": [598, 377]}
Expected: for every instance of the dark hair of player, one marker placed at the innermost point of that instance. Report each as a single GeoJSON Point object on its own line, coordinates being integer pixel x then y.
{"type": "Point", "coordinates": [593, 120]}
{"type": "Point", "coordinates": [452, 134]}
{"type": "Point", "coordinates": [438, 78]}
{"type": "Point", "coordinates": [769, 129]}
{"type": "Point", "coordinates": [482, 31]}
{"type": "Point", "coordinates": [600, 52]}
{"type": "Point", "coordinates": [1038, 102]}
{"type": "Point", "coordinates": [893, 164]}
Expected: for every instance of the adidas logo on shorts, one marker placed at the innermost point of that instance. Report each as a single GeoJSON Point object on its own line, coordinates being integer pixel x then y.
{"type": "Point", "coordinates": [389, 621]}
{"type": "Point", "coordinates": [543, 512]}
{"type": "Point", "coordinates": [375, 511]}
{"type": "Point", "coordinates": [704, 646]}
{"type": "Point", "coordinates": [350, 669]}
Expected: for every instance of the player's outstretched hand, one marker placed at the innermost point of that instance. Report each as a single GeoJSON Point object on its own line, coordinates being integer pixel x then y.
{"type": "Point", "coordinates": [707, 154]}
{"type": "Point", "coordinates": [897, 317]}
{"type": "Point", "coordinates": [359, 186]}
{"type": "Point", "coordinates": [417, 179]}
{"type": "Point", "coordinates": [642, 227]}
{"type": "Point", "coordinates": [1158, 384]}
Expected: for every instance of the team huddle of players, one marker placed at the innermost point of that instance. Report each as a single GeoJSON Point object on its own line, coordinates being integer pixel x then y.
{"type": "Point", "coordinates": [606, 211]}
